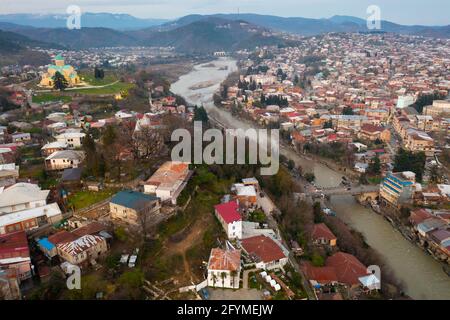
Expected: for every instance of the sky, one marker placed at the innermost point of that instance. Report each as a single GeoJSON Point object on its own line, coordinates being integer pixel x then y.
{"type": "Point", "coordinates": [429, 12]}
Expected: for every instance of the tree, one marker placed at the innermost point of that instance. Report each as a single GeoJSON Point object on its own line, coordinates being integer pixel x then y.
{"type": "Point", "coordinates": [309, 176]}
{"type": "Point", "coordinates": [59, 81]}
{"type": "Point", "coordinates": [410, 161]}
{"type": "Point", "coordinates": [317, 211]}
{"type": "Point", "coordinates": [200, 114]}
{"type": "Point", "coordinates": [109, 137]}
{"type": "Point", "coordinates": [375, 166]}
{"type": "Point", "coordinates": [435, 174]}
{"type": "Point", "coordinates": [99, 73]}
{"type": "Point", "coordinates": [348, 111]}
{"type": "Point", "coordinates": [328, 124]}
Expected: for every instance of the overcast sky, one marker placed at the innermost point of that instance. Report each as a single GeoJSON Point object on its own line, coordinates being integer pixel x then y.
{"type": "Point", "coordinates": [425, 12]}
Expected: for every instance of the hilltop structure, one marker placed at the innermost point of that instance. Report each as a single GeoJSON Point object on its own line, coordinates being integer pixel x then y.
{"type": "Point", "coordinates": [66, 70]}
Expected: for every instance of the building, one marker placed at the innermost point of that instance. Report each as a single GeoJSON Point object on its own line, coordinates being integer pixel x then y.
{"type": "Point", "coordinates": [265, 252]}
{"type": "Point", "coordinates": [65, 159]}
{"type": "Point", "coordinates": [9, 173]}
{"type": "Point", "coordinates": [22, 196]}
{"type": "Point", "coordinates": [66, 70]}
{"type": "Point", "coordinates": [417, 141]}
{"type": "Point", "coordinates": [397, 188]}
{"type": "Point", "coordinates": [224, 268]}
{"type": "Point", "coordinates": [372, 132]}
{"type": "Point", "coordinates": [133, 207]}
{"type": "Point", "coordinates": [230, 218]}
{"type": "Point", "coordinates": [168, 181]}
{"type": "Point", "coordinates": [52, 147]}
{"type": "Point", "coordinates": [82, 250]}
{"type": "Point", "coordinates": [246, 194]}
{"type": "Point", "coordinates": [73, 140]}
{"type": "Point", "coordinates": [30, 219]}
{"type": "Point", "coordinates": [439, 108]}
{"type": "Point", "coordinates": [9, 285]}
{"type": "Point", "coordinates": [15, 254]}
{"type": "Point", "coordinates": [322, 235]}
{"type": "Point", "coordinates": [404, 101]}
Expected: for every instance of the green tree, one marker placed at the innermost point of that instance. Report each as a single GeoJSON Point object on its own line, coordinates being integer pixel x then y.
{"type": "Point", "coordinates": [200, 114]}
{"type": "Point", "coordinates": [59, 81]}
{"type": "Point", "coordinates": [410, 161]}
{"type": "Point", "coordinates": [309, 176]}
{"type": "Point", "coordinates": [348, 111]}
{"type": "Point", "coordinates": [109, 137]}
{"type": "Point", "coordinates": [375, 166]}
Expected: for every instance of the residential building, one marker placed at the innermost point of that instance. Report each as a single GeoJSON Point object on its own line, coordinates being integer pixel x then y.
{"type": "Point", "coordinates": [82, 250]}
{"type": "Point", "coordinates": [65, 159]}
{"type": "Point", "coordinates": [73, 140]}
{"type": "Point", "coordinates": [224, 268]}
{"type": "Point", "coordinates": [397, 188]}
{"type": "Point", "coordinates": [52, 147]}
{"type": "Point", "coordinates": [30, 219]}
{"type": "Point", "coordinates": [9, 173]}
{"type": "Point", "coordinates": [322, 235]}
{"type": "Point", "coordinates": [230, 218]}
{"type": "Point", "coordinates": [267, 253]}
{"type": "Point", "coordinates": [15, 254]}
{"type": "Point", "coordinates": [439, 108]}
{"type": "Point", "coordinates": [22, 196]}
{"type": "Point", "coordinates": [168, 181]}
{"type": "Point", "coordinates": [133, 207]}
{"type": "Point", "coordinates": [419, 141]}
{"type": "Point", "coordinates": [372, 132]}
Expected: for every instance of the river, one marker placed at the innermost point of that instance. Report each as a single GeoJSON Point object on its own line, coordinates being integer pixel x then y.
{"type": "Point", "coordinates": [422, 276]}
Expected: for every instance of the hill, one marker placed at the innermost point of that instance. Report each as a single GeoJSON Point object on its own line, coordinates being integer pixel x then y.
{"type": "Point", "coordinates": [89, 20]}
{"type": "Point", "coordinates": [209, 35]}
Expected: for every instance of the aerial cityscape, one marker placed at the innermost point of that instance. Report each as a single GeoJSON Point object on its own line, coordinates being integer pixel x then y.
{"type": "Point", "coordinates": [212, 154]}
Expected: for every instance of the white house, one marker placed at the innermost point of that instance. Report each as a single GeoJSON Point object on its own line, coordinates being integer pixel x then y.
{"type": "Point", "coordinates": [22, 196]}
{"type": "Point", "coordinates": [71, 139]}
{"type": "Point", "coordinates": [230, 218]}
{"type": "Point", "coordinates": [60, 160]}
{"type": "Point", "coordinates": [224, 268]}
{"type": "Point", "coordinates": [168, 181]}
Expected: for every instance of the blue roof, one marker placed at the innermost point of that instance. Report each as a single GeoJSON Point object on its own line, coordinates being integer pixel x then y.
{"type": "Point", "coordinates": [132, 199]}
{"type": "Point", "coordinates": [46, 244]}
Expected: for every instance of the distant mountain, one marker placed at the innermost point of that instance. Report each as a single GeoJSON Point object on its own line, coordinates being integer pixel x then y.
{"type": "Point", "coordinates": [208, 35]}
{"type": "Point", "coordinates": [74, 39]}
{"type": "Point", "coordinates": [89, 20]}
{"type": "Point", "coordinates": [13, 42]}
{"type": "Point", "coordinates": [310, 27]}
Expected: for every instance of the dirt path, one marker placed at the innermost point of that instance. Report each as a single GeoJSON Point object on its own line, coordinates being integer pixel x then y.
{"type": "Point", "coordinates": [193, 238]}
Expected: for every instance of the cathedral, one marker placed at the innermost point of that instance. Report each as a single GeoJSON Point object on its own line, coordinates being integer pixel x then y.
{"type": "Point", "coordinates": [66, 70]}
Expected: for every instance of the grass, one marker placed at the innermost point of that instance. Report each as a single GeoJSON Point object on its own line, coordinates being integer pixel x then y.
{"type": "Point", "coordinates": [91, 80]}
{"type": "Point", "coordinates": [112, 89]}
{"type": "Point", "coordinates": [84, 198]}
{"type": "Point", "coordinates": [374, 180]}
{"type": "Point", "coordinates": [50, 97]}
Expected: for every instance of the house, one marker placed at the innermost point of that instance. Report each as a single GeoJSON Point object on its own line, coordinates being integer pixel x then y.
{"type": "Point", "coordinates": [429, 225]}
{"type": "Point", "coordinates": [60, 160]}
{"type": "Point", "coordinates": [21, 196]}
{"type": "Point", "coordinates": [372, 132]}
{"type": "Point", "coordinates": [133, 207]}
{"type": "Point", "coordinates": [71, 139]}
{"type": "Point", "coordinates": [15, 254]}
{"type": "Point", "coordinates": [82, 250]}
{"type": "Point", "coordinates": [230, 218]}
{"type": "Point", "coordinates": [9, 173]}
{"type": "Point", "coordinates": [419, 215]}
{"type": "Point", "coordinates": [224, 268]}
{"type": "Point", "coordinates": [265, 252]}
{"type": "Point", "coordinates": [320, 276]}
{"type": "Point", "coordinates": [30, 219]}
{"type": "Point", "coordinates": [52, 147]}
{"type": "Point", "coordinates": [322, 235]}
{"type": "Point", "coordinates": [245, 194]}
{"type": "Point", "coordinates": [20, 137]}
{"type": "Point", "coordinates": [347, 267]}
{"type": "Point", "coordinates": [168, 181]}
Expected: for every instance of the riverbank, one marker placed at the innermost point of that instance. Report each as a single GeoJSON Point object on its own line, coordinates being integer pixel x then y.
{"type": "Point", "coordinates": [422, 276]}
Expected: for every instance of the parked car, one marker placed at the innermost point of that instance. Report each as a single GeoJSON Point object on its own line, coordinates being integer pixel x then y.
{"type": "Point", "coordinates": [205, 294]}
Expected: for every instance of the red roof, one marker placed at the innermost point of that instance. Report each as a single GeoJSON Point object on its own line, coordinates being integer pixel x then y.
{"type": "Point", "coordinates": [322, 275]}
{"type": "Point", "coordinates": [321, 231]}
{"type": "Point", "coordinates": [61, 237]}
{"type": "Point", "coordinates": [347, 267]}
{"type": "Point", "coordinates": [264, 248]}
{"type": "Point", "coordinates": [14, 245]}
{"type": "Point", "coordinates": [371, 128]}
{"type": "Point", "coordinates": [228, 211]}
{"type": "Point", "coordinates": [419, 215]}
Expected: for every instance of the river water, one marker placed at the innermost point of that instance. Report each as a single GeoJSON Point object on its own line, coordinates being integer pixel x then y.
{"type": "Point", "coordinates": [422, 276]}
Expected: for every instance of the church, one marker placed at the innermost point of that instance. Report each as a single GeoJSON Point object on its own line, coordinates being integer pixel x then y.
{"type": "Point", "coordinates": [66, 70]}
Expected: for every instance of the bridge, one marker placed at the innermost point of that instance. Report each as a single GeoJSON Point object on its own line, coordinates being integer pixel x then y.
{"type": "Point", "coordinates": [354, 191]}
